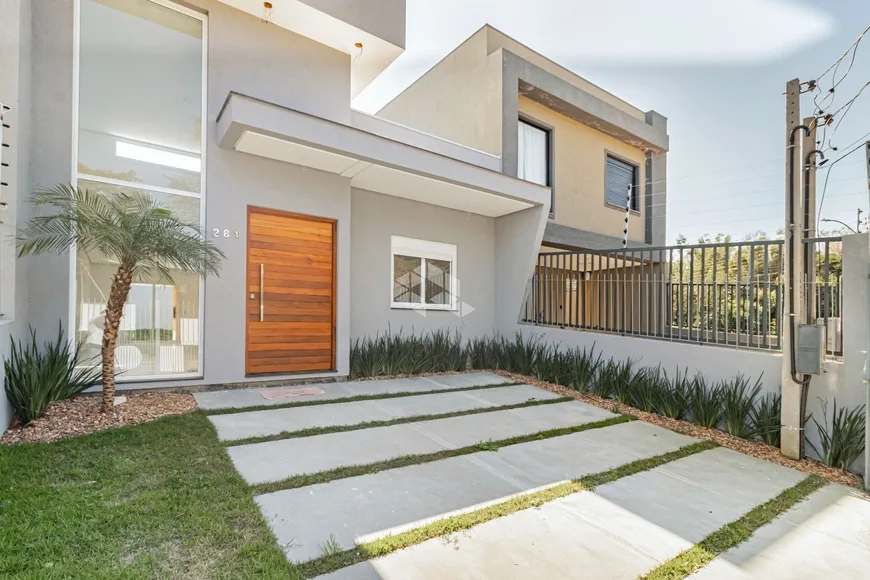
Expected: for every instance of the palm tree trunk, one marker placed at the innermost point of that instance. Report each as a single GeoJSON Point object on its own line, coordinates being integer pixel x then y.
{"type": "Point", "coordinates": [121, 283]}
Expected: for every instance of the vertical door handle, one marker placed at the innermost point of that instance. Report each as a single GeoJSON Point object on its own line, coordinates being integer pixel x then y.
{"type": "Point", "coordinates": [261, 292]}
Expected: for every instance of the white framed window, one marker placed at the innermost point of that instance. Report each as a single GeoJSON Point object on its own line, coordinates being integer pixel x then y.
{"type": "Point", "coordinates": [533, 161]}
{"type": "Point", "coordinates": [534, 157]}
{"type": "Point", "coordinates": [140, 101]}
{"type": "Point", "coordinates": [423, 274]}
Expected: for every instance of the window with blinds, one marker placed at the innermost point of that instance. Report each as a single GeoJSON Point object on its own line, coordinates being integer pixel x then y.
{"type": "Point", "coordinates": [620, 175]}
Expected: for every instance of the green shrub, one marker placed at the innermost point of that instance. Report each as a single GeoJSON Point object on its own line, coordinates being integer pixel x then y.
{"type": "Point", "coordinates": [396, 354]}
{"type": "Point", "coordinates": [615, 380]}
{"type": "Point", "coordinates": [674, 401]}
{"type": "Point", "coordinates": [705, 402]}
{"type": "Point", "coordinates": [480, 353]}
{"type": "Point", "coordinates": [520, 355]}
{"type": "Point", "coordinates": [647, 389]}
{"type": "Point", "coordinates": [36, 377]}
{"type": "Point", "coordinates": [765, 418]}
{"type": "Point", "coordinates": [555, 366]}
{"type": "Point", "coordinates": [445, 351]}
{"type": "Point", "coordinates": [585, 368]}
{"type": "Point", "coordinates": [842, 440]}
{"type": "Point", "coordinates": [738, 402]}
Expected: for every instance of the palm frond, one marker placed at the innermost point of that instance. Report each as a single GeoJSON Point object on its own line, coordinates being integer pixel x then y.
{"type": "Point", "coordinates": [134, 229]}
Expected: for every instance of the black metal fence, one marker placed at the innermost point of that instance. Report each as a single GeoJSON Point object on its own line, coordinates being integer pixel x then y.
{"type": "Point", "coordinates": [723, 293]}
{"type": "Point", "coordinates": [824, 291]}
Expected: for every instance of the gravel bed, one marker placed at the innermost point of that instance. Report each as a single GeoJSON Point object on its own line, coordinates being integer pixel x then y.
{"type": "Point", "coordinates": [753, 448]}
{"type": "Point", "coordinates": [82, 415]}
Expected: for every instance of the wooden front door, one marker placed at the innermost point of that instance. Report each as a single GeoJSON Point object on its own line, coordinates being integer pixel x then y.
{"type": "Point", "coordinates": [291, 293]}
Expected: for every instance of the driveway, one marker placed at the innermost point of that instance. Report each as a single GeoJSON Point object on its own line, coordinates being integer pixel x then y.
{"type": "Point", "coordinates": [620, 530]}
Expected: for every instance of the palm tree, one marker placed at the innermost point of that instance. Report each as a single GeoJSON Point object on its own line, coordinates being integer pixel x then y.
{"type": "Point", "coordinates": [135, 231]}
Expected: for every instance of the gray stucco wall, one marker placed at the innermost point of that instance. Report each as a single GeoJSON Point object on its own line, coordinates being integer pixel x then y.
{"type": "Point", "coordinates": [382, 18]}
{"type": "Point", "coordinates": [51, 145]}
{"type": "Point", "coordinates": [287, 69]}
{"type": "Point", "coordinates": [458, 99]}
{"type": "Point", "coordinates": [375, 219]}
{"type": "Point", "coordinates": [15, 63]}
{"type": "Point", "coordinates": [245, 56]}
{"type": "Point", "coordinates": [517, 239]}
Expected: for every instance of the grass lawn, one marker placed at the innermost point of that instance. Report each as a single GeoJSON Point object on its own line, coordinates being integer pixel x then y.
{"type": "Point", "coordinates": [158, 500]}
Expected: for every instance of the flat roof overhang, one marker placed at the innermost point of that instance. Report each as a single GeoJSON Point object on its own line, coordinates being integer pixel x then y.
{"type": "Point", "coordinates": [371, 161]}
{"type": "Point", "coordinates": [379, 25]}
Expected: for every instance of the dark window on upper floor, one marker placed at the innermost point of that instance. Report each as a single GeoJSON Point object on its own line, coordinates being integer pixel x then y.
{"type": "Point", "coordinates": [618, 177]}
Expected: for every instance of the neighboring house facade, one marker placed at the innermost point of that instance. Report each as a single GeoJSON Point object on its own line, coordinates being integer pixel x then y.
{"type": "Point", "coordinates": [552, 127]}
{"type": "Point", "coordinates": [336, 225]}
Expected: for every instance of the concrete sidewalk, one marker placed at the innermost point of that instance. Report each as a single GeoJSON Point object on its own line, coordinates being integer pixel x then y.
{"type": "Point", "coordinates": [236, 398]}
{"type": "Point", "coordinates": [362, 508]}
{"type": "Point", "coordinates": [271, 422]}
{"type": "Point", "coordinates": [619, 531]}
{"type": "Point", "coordinates": [826, 536]}
{"type": "Point", "coordinates": [275, 460]}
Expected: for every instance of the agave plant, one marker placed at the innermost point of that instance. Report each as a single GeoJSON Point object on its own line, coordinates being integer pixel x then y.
{"type": "Point", "coordinates": [765, 418]}
{"type": "Point", "coordinates": [36, 377]}
{"type": "Point", "coordinates": [706, 402]}
{"type": "Point", "coordinates": [842, 440]}
{"type": "Point", "coordinates": [738, 402]}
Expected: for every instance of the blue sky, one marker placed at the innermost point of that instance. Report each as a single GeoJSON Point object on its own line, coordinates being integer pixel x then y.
{"type": "Point", "coordinates": [716, 70]}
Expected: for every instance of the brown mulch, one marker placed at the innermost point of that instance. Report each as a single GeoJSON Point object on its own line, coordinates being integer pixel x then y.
{"type": "Point", "coordinates": [82, 415]}
{"type": "Point", "coordinates": [753, 448]}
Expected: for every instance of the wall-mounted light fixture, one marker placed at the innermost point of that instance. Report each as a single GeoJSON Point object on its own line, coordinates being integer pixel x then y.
{"type": "Point", "coordinates": [267, 12]}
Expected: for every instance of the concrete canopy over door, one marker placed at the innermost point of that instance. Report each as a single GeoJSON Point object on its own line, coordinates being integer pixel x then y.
{"type": "Point", "coordinates": [290, 293]}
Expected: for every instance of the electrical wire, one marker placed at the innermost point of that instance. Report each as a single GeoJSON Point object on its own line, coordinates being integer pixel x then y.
{"type": "Point", "coordinates": [853, 48]}
{"type": "Point", "coordinates": [827, 177]}
{"type": "Point", "coordinates": [847, 107]}
{"type": "Point", "coordinates": [839, 60]}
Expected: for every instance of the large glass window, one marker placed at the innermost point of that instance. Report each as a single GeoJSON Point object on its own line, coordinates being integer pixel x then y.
{"type": "Point", "coordinates": [140, 128]}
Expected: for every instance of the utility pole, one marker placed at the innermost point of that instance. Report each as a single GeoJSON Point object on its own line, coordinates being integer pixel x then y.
{"type": "Point", "coordinates": [867, 349]}
{"type": "Point", "coordinates": [792, 421]}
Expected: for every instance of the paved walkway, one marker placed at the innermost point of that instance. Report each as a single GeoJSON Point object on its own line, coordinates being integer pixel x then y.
{"type": "Point", "coordinates": [621, 530]}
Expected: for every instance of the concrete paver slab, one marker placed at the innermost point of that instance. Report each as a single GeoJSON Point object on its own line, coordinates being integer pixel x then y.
{"type": "Point", "coordinates": [541, 544]}
{"type": "Point", "coordinates": [235, 398]}
{"type": "Point", "coordinates": [825, 536]}
{"type": "Point", "coordinates": [274, 421]}
{"type": "Point", "coordinates": [620, 531]}
{"type": "Point", "coordinates": [695, 496]}
{"type": "Point", "coordinates": [372, 505]}
{"type": "Point", "coordinates": [276, 460]}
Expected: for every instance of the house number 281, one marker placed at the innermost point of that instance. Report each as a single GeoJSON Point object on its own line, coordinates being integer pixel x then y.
{"type": "Point", "coordinates": [219, 233]}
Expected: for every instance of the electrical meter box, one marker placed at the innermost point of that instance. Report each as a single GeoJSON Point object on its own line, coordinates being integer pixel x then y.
{"type": "Point", "coordinates": [809, 351]}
